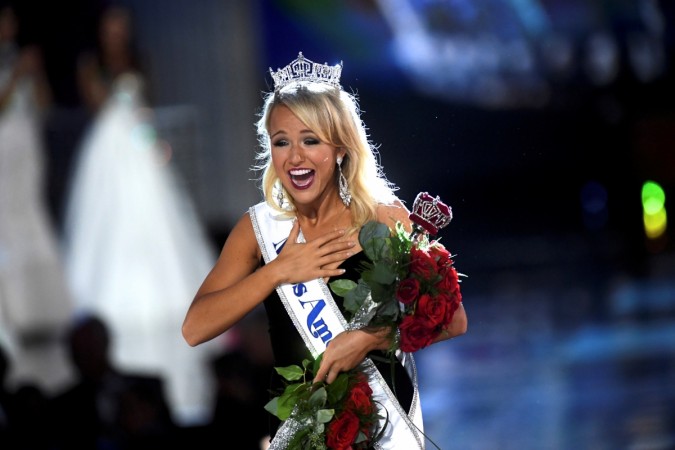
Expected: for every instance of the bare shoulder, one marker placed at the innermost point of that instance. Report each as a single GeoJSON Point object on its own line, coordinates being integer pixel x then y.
{"type": "Point", "coordinates": [393, 212]}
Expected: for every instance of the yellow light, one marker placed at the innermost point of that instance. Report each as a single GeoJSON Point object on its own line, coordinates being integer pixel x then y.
{"type": "Point", "coordinates": [655, 224]}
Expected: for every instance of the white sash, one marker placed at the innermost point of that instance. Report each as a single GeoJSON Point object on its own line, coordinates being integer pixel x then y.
{"type": "Point", "coordinates": [318, 319]}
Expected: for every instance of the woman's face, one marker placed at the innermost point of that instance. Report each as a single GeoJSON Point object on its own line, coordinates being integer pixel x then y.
{"type": "Point", "coordinates": [305, 165]}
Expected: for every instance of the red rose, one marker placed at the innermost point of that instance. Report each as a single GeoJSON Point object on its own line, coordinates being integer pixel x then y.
{"type": "Point", "coordinates": [450, 281]}
{"type": "Point", "coordinates": [359, 399]}
{"type": "Point", "coordinates": [416, 333]}
{"type": "Point", "coordinates": [433, 308]}
{"type": "Point", "coordinates": [422, 264]}
{"type": "Point", "coordinates": [408, 290]}
{"type": "Point", "coordinates": [440, 254]}
{"type": "Point", "coordinates": [342, 431]}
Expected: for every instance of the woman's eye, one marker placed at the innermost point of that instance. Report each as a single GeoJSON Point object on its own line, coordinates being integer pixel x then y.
{"type": "Point", "coordinates": [280, 143]}
{"type": "Point", "coordinates": [311, 141]}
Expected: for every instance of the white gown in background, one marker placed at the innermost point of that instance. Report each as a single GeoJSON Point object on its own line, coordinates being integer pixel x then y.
{"type": "Point", "coordinates": [135, 250]}
{"type": "Point", "coordinates": [34, 296]}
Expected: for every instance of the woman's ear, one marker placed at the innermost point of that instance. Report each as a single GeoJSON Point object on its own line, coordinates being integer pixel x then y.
{"type": "Point", "coordinates": [341, 153]}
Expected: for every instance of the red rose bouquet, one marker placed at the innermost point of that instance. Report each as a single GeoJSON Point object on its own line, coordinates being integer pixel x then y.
{"type": "Point", "coordinates": [409, 283]}
{"type": "Point", "coordinates": [337, 416]}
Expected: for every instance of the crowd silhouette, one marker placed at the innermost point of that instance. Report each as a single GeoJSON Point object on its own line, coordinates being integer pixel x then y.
{"type": "Point", "coordinates": [103, 404]}
{"type": "Point", "coordinates": [106, 407]}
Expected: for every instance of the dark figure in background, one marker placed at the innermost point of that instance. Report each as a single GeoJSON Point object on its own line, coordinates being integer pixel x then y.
{"type": "Point", "coordinates": [134, 245]}
{"type": "Point", "coordinates": [114, 56]}
{"type": "Point", "coordinates": [24, 422]}
{"type": "Point", "coordinates": [242, 380]}
{"type": "Point", "coordinates": [107, 408]}
{"type": "Point", "coordinates": [5, 398]}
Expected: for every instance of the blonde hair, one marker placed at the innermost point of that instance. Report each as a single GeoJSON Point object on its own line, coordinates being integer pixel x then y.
{"type": "Point", "coordinates": [334, 116]}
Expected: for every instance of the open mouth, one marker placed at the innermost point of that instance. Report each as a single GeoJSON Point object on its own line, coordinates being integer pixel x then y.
{"type": "Point", "coordinates": [301, 178]}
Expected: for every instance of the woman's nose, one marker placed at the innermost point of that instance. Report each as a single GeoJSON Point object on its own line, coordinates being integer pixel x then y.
{"type": "Point", "coordinates": [297, 154]}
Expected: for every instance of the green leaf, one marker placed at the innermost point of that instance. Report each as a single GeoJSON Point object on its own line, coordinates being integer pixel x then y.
{"type": "Point", "coordinates": [273, 406]}
{"type": "Point", "coordinates": [355, 298]}
{"type": "Point", "coordinates": [318, 397]}
{"type": "Point", "coordinates": [338, 388]}
{"type": "Point", "coordinates": [360, 438]}
{"type": "Point", "coordinates": [383, 293]}
{"type": "Point", "coordinates": [285, 404]}
{"type": "Point", "coordinates": [324, 415]}
{"type": "Point", "coordinates": [290, 373]}
{"type": "Point", "coordinates": [342, 287]}
{"type": "Point", "coordinates": [316, 364]}
{"type": "Point", "coordinates": [389, 309]}
{"type": "Point", "coordinates": [373, 230]}
{"type": "Point", "coordinates": [383, 273]}
{"type": "Point", "coordinates": [374, 239]}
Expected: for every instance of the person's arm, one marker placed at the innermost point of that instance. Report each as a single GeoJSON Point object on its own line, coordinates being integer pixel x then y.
{"type": "Point", "coordinates": [92, 89]}
{"type": "Point", "coordinates": [349, 348]}
{"type": "Point", "coordinates": [33, 65]}
{"type": "Point", "coordinates": [237, 283]}
{"type": "Point", "coordinates": [457, 327]}
{"type": "Point", "coordinates": [7, 89]}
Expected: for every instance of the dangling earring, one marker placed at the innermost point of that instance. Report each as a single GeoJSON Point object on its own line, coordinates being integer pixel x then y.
{"type": "Point", "coordinates": [342, 182]}
{"type": "Point", "coordinates": [280, 194]}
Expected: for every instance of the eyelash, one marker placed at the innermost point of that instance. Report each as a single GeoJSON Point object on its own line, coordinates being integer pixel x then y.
{"type": "Point", "coordinates": [306, 141]}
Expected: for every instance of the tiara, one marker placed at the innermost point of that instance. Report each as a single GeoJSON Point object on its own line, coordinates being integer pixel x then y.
{"type": "Point", "coordinates": [430, 213]}
{"type": "Point", "coordinates": [302, 69]}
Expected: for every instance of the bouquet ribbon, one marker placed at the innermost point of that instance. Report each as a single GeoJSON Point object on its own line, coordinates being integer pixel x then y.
{"type": "Point", "coordinates": [318, 319]}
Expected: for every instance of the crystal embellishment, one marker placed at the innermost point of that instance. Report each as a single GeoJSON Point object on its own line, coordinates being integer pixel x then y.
{"type": "Point", "coordinates": [430, 213]}
{"type": "Point", "coordinates": [302, 69]}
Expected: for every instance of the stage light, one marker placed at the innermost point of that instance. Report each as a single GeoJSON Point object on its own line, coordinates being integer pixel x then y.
{"type": "Point", "coordinates": [654, 216]}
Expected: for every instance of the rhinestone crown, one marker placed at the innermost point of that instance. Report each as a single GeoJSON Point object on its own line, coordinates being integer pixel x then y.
{"type": "Point", "coordinates": [302, 69]}
{"type": "Point", "coordinates": [430, 213]}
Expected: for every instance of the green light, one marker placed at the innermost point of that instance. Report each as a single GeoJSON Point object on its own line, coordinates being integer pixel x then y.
{"type": "Point", "coordinates": [653, 197]}
{"type": "Point", "coordinates": [654, 217]}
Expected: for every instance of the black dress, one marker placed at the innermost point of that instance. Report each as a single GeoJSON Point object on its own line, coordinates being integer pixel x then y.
{"type": "Point", "coordinates": [289, 348]}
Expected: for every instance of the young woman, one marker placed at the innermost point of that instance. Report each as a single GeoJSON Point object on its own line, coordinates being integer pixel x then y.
{"type": "Point", "coordinates": [321, 182]}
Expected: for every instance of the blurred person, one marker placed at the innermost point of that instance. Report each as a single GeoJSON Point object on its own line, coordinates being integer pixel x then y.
{"type": "Point", "coordinates": [242, 376]}
{"type": "Point", "coordinates": [34, 296]}
{"type": "Point", "coordinates": [24, 421]}
{"type": "Point", "coordinates": [321, 182]}
{"type": "Point", "coordinates": [6, 397]}
{"type": "Point", "coordinates": [113, 56]}
{"type": "Point", "coordinates": [107, 406]}
{"type": "Point", "coordinates": [135, 248]}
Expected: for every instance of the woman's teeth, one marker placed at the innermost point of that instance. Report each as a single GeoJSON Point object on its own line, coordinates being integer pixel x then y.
{"type": "Point", "coordinates": [301, 178]}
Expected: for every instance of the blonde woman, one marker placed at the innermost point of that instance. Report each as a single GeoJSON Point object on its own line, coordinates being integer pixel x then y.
{"type": "Point", "coordinates": [321, 182]}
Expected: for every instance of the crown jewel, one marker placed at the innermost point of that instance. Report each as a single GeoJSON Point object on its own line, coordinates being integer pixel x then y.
{"type": "Point", "coordinates": [430, 213]}
{"type": "Point", "coordinates": [302, 69]}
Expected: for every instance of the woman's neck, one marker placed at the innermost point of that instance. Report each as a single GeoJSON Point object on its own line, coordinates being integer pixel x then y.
{"type": "Point", "coordinates": [329, 216]}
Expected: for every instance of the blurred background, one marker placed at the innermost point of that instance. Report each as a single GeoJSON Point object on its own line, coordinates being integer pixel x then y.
{"type": "Point", "coordinates": [548, 126]}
